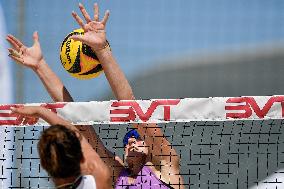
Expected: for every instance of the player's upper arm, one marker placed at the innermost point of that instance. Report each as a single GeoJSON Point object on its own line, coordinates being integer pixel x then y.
{"type": "Point", "coordinates": [93, 165]}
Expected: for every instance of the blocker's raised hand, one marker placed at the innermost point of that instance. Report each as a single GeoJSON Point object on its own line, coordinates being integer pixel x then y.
{"type": "Point", "coordinates": [27, 114]}
{"type": "Point", "coordinates": [95, 35]}
{"type": "Point", "coordinates": [27, 56]}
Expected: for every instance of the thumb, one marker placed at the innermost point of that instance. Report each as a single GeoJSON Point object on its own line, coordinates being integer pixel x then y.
{"type": "Point", "coordinates": [78, 38]}
{"type": "Point", "coordinates": [36, 37]}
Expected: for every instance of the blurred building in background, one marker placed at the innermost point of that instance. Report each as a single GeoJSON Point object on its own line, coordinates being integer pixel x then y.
{"type": "Point", "coordinates": [251, 71]}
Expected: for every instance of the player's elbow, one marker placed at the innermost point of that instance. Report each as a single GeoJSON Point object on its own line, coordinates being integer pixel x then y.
{"type": "Point", "coordinates": [175, 160]}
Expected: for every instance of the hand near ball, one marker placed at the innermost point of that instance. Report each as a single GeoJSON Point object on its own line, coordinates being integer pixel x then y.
{"type": "Point", "coordinates": [27, 56]}
{"type": "Point", "coordinates": [94, 30]}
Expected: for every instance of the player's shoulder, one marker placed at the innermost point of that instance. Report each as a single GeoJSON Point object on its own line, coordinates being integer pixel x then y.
{"type": "Point", "coordinates": [88, 182]}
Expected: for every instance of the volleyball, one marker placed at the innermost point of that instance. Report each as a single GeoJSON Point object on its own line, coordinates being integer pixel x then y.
{"type": "Point", "coordinates": [78, 59]}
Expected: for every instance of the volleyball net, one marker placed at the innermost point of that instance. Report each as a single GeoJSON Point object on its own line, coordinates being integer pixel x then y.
{"type": "Point", "coordinates": [222, 142]}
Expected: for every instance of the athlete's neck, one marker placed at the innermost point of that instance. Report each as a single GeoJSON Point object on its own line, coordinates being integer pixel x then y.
{"type": "Point", "coordinates": [62, 181]}
{"type": "Point", "coordinates": [136, 166]}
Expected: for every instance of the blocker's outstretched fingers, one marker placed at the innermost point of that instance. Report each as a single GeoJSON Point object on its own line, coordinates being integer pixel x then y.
{"type": "Point", "coordinates": [20, 119]}
{"type": "Point", "coordinates": [26, 121]}
{"type": "Point", "coordinates": [13, 43]}
{"type": "Point", "coordinates": [85, 13]}
{"type": "Point", "coordinates": [30, 121]}
{"type": "Point", "coordinates": [79, 20]}
{"type": "Point", "coordinates": [15, 110]}
{"type": "Point", "coordinates": [17, 41]}
{"type": "Point", "coordinates": [104, 21]}
{"type": "Point", "coordinates": [96, 10]}
{"type": "Point", "coordinates": [14, 52]}
{"type": "Point", "coordinates": [33, 121]}
{"type": "Point", "coordinates": [16, 59]}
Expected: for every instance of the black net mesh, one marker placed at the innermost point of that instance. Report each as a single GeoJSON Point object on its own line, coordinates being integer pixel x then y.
{"type": "Point", "coordinates": [225, 154]}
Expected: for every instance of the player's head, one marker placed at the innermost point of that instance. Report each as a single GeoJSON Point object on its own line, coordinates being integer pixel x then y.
{"type": "Point", "coordinates": [60, 152]}
{"type": "Point", "coordinates": [134, 147]}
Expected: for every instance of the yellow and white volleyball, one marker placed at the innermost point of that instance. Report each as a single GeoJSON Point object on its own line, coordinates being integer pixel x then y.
{"type": "Point", "coordinates": [78, 59]}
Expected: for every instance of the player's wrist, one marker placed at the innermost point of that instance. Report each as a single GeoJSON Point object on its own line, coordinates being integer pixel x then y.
{"type": "Point", "coordinates": [39, 66]}
{"type": "Point", "coordinates": [103, 48]}
{"type": "Point", "coordinates": [39, 111]}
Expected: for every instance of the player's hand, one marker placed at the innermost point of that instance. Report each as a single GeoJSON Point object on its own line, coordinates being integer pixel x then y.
{"type": "Point", "coordinates": [28, 56]}
{"type": "Point", "coordinates": [27, 114]}
{"type": "Point", "coordinates": [94, 30]}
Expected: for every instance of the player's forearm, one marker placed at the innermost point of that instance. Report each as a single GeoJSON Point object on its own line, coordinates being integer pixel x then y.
{"type": "Point", "coordinates": [52, 83]}
{"type": "Point", "coordinates": [90, 134]}
{"type": "Point", "coordinates": [155, 138]}
{"type": "Point", "coordinates": [115, 76]}
{"type": "Point", "coordinates": [53, 119]}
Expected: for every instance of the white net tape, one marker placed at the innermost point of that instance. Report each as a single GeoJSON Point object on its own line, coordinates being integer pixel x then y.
{"type": "Point", "coordinates": [222, 142]}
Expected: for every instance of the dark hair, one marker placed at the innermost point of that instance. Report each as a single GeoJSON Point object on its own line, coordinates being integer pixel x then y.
{"type": "Point", "coordinates": [60, 152]}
